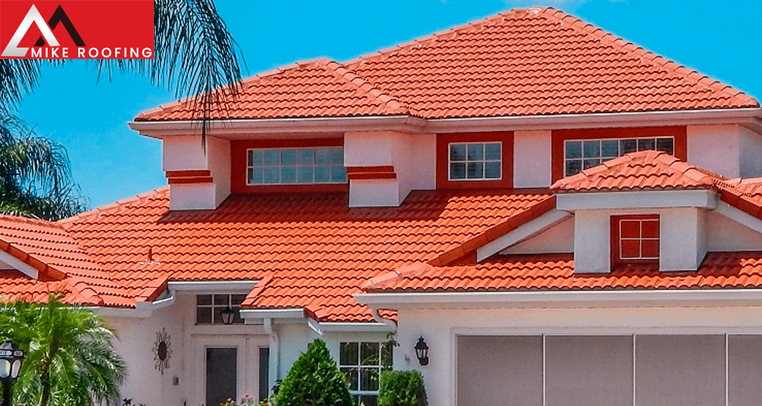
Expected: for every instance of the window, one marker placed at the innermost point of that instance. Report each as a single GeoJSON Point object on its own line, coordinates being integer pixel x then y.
{"type": "Point", "coordinates": [209, 308]}
{"type": "Point", "coordinates": [584, 154]}
{"type": "Point", "coordinates": [362, 363]}
{"type": "Point", "coordinates": [283, 166]}
{"type": "Point", "coordinates": [636, 239]}
{"type": "Point", "coordinates": [475, 161]}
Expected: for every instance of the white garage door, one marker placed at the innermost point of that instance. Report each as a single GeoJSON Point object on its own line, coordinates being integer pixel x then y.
{"type": "Point", "coordinates": [642, 370]}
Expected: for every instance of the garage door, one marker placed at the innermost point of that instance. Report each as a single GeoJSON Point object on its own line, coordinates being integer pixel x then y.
{"type": "Point", "coordinates": [641, 370]}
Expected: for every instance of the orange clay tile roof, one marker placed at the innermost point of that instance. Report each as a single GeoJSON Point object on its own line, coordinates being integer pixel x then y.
{"type": "Point", "coordinates": [555, 272]}
{"type": "Point", "coordinates": [49, 249]}
{"type": "Point", "coordinates": [524, 62]}
{"type": "Point", "coordinates": [309, 250]}
{"type": "Point", "coordinates": [645, 170]}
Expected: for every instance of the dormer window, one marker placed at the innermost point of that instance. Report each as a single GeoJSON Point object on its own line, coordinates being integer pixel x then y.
{"type": "Point", "coordinates": [635, 239]}
{"type": "Point", "coordinates": [289, 166]}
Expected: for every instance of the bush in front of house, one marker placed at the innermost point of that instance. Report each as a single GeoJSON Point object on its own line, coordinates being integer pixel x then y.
{"type": "Point", "coordinates": [314, 379]}
{"type": "Point", "coordinates": [402, 388]}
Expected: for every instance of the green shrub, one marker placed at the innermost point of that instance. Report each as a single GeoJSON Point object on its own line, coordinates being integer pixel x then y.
{"type": "Point", "coordinates": [314, 380]}
{"type": "Point", "coordinates": [402, 388]}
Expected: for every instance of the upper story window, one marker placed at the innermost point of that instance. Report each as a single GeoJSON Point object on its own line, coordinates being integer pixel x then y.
{"type": "Point", "coordinates": [584, 154]}
{"type": "Point", "coordinates": [285, 166]}
{"type": "Point", "coordinates": [209, 308]}
{"type": "Point", "coordinates": [475, 161]}
{"type": "Point", "coordinates": [362, 363]}
{"type": "Point", "coordinates": [635, 239]}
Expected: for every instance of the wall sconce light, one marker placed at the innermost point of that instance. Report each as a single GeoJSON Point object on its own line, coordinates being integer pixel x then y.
{"type": "Point", "coordinates": [422, 352]}
{"type": "Point", "coordinates": [228, 315]}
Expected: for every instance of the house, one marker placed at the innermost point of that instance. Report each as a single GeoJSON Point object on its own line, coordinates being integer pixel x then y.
{"type": "Point", "coordinates": [560, 216]}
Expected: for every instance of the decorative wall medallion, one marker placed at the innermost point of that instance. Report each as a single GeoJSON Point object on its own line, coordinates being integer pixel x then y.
{"type": "Point", "coordinates": [162, 350]}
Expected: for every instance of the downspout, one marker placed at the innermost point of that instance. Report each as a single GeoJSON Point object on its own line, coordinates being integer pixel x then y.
{"type": "Point", "coordinates": [274, 352]}
{"type": "Point", "coordinates": [377, 317]}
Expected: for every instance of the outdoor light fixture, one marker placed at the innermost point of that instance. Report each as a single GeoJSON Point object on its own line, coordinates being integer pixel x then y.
{"type": "Point", "coordinates": [228, 315]}
{"type": "Point", "coordinates": [10, 365]}
{"type": "Point", "coordinates": [422, 352]}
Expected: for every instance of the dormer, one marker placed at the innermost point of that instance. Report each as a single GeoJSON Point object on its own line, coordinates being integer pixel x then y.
{"type": "Point", "coordinates": [643, 208]}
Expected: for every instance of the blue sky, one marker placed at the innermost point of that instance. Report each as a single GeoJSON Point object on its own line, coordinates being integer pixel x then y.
{"type": "Point", "coordinates": [111, 162]}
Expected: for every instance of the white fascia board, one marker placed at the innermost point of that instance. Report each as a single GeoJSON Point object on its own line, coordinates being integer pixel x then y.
{"type": "Point", "coordinates": [272, 313]}
{"type": "Point", "coordinates": [213, 286]}
{"type": "Point", "coordinates": [331, 327]}
{"type": "Point", "coordinates": [751, 118]}
{"type": "Point", "coordinates": [565, 299]}
{"type": "Point", "coordinates": [739, 216]}
{"type": "Point", "coordinates": [520, 233]}
{"type": "Point", "coordinates": [247, 128]}
{"type": "Point", "coordinates": [19, 265]}
{"type": "Point", "coordinates": [636, 200]}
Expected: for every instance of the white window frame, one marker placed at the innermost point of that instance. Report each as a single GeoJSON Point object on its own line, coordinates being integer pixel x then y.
{"type": "Point", "coordinates": [235, 307]}
{"type": "Point", "coordinates": [380, 367]}
{"type": "Point", "coordinates": [602, 158]}
{"type": "Point", "coordinates": [640, 239]}
{"type": "Point", "coordinates": [483, 161]}
{"type": "Point", "coordinates": [296, 167]}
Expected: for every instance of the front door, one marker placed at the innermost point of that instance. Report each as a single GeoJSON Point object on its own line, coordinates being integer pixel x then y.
{"type": "Point", "coordinates": [221, 375]}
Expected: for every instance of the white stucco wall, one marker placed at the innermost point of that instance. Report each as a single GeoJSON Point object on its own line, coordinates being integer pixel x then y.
{"type": "Point", "coordinates": [182, 153]}
{"type": "Point", "coordinates": [412, 156]}
{"type": "Point", "coordinates": [186, 153]}
{"type": "Point", "coordinates": [683, 240]}
{"type": "Point", "coordinates": [441, 327]}
{"type": "Point", "coordinates": [145, 384]}
{"type": "Point", "coordinates": [715, 148]}
{"type": "Point", "coordinates": [531, 159]}
{"type": "Point", "coordinates": [218, 157]}
{"type": "Point", "coordinates": [592, 241]}
{"type": "Point", "coordinates": [557, 239]}
{"type": "Point", "coordinates": [725, 235]}
{"type": "Point", "coordinates": [750, 145]}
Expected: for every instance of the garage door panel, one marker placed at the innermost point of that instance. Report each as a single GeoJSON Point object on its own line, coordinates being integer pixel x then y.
{"type": "Point", "coordinates": [500, 371]}
{"type": "Point", "coordinates": [744, 370]}
{"type": "Point", "coordinates": [588, 371]}
{"type": "Point", "coordinates": [680, 370]}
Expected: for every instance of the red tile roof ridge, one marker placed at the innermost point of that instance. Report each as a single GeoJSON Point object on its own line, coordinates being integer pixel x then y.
{"type": "Point", "coordinates": [244, 83]}
{"type": "Point", "coordinates": [91, 214]}
{"type": "Point", "coordinates": [581, 182]}
{"type": "Point", "coordinates": [363, 86]}
{"type": "Point", "coordinates": [30, 220]}
{"type": "Point", "coordinates": [252, 296]}
{"type": "Point", "coordinates": [407, 270]}
{"type": "Point", "coordinates": [460, 28]}
{"type": "Point", "coordinates": [472, 244]}
{"type": "Point", "coordinates": [649, 57]}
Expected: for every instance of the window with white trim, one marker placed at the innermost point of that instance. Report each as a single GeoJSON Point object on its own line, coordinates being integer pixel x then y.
{"type": "Point", "coordinates": [288, 166]}
{"type": "Point", "coordinates": [636, 238]}
{"type": "Point", "coordinates": [209, 308]}
{"type": "Point", "coordinates": [362, 363]}
{"type": "Point", "coordinates": [584, 154]}
{"type": "Point", "coordinates": [475, 161]}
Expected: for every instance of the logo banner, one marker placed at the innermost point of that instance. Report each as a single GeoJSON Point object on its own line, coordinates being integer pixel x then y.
{"type": "Point", "coordinates": [76, 29]}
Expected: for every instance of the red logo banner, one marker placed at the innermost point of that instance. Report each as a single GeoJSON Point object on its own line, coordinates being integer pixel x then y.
{"type": "Point", "coordinates": [76, 29]}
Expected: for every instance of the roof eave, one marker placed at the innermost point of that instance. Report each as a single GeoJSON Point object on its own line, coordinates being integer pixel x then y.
{"type": "Point", "coordinates": [244, 128]}
{"type": "Point", "coordinates": [563, 299]}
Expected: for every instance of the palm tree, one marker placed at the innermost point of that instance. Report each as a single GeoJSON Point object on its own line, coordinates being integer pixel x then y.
{"type": "Point", "coordinates": [194, 54]}
{"type": "Point", "coordinates": [35, 179]}
{"type": "Point", "coordinates": [69, 356]}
